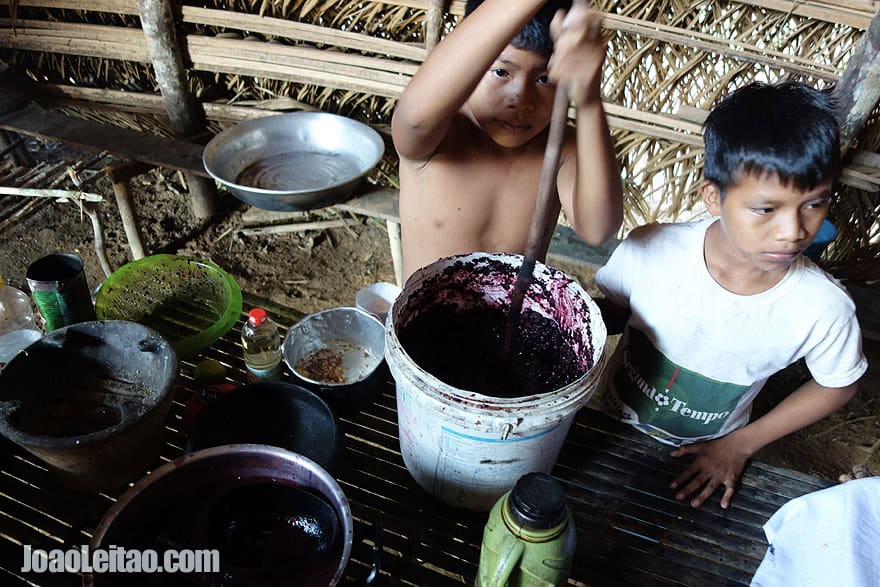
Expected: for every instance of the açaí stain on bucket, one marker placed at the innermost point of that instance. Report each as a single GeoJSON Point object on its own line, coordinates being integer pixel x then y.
{"type": "Point", "coordinates": [459, 339]}
{"type": "Point", "coordinates": [464, 347]}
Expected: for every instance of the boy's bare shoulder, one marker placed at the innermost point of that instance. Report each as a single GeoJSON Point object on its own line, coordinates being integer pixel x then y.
{"type": "Point", "coordinates": [460, 138]}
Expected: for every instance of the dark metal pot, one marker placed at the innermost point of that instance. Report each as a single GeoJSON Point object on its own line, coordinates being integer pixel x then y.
{"type": "Point", "coordinates": [358, 339]}
{"type": "Point", "coordinates": [274, 413]}
{"type": "Point", "coordinates": [172, 508]}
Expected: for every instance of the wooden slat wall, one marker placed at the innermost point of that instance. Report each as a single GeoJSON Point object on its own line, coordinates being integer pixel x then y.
{"type": "Point", "coordinates": [657, 60]}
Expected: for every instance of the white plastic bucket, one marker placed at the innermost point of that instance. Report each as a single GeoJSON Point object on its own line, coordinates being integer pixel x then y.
{"type": "Point", "coordinates": [465, 448]}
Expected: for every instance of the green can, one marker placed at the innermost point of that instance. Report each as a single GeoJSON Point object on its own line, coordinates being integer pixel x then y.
{"type": "Point", "coordinates": [529, 540]}
{"type": "Point", "coordinates": [60, 291]}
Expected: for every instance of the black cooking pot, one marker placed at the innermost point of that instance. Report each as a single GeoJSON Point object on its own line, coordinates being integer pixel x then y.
{"type": "Point", "coordinates": [274, 413]}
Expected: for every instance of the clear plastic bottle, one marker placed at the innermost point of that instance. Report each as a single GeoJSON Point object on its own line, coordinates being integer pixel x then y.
{"type": "Point", "coordinates": [17, 326]}
{"type": "Point", "coordinates": [262, 346]}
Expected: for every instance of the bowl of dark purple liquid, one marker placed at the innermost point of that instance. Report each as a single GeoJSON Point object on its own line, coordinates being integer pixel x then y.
{"type": "Point", "coordinates": [273, 516]}
{"type": "Point", "coordinates": [268, 533]}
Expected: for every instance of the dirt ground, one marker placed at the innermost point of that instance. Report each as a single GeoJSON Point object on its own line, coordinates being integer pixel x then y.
{"type": "Point", "coordinates": [316, 270]}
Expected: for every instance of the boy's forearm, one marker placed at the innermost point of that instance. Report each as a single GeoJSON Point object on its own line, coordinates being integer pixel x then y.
{"type": "Point", "coordinates": [453, 69]}
{"type": "Point", "coordinates": [597, 208]}
{"type": "Point", "coordinates": [808, 404]}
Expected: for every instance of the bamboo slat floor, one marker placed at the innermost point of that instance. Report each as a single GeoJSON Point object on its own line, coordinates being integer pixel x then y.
{"type": "Point", "coordinates": [630, 530]}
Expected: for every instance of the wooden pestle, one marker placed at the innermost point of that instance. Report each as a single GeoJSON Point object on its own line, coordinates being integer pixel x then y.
{"type": "Point", "coordinates": [540, 220]}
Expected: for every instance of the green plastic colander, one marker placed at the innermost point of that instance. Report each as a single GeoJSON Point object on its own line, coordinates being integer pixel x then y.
{"type": "Point", "coordinates": [191, 302]}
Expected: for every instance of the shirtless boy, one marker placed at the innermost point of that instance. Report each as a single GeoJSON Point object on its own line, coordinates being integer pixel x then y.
{"type": "Point", "coordinates": [471, 130]}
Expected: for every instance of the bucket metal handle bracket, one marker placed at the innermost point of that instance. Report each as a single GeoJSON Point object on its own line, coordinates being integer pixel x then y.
{"type": "Point", "coordinates": [506, 429]}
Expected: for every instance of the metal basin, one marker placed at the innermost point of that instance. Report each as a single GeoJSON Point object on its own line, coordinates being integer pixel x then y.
{"type": "Point", "coordinates": [177, 505]}
{"type": "Point", "coordinates": [296, 161]}
{"type": "Point", "coordinates": [338, 353]}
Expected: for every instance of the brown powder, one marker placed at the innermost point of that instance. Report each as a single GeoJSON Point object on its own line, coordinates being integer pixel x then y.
{"type": "Point", "coordinates": [324, 365]}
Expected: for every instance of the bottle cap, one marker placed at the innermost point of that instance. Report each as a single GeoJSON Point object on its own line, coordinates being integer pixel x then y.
{"type": "Point", "coordinates": [537, 502]}
{"type": "Point", "coordinates": [257, 316]}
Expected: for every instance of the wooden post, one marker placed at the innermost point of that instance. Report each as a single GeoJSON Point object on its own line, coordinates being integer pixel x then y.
{"type": "Point", "coordinates": [129, 219]}
{"type": "Point", "coordinates": [858, 90]}
{"type": "Point", "coordinates": [120, 175]}
{"type": "Point", "coordinates": [434, 18]}
{"type": "Point", "coordinates": [396, 250]}
{"type": "Point", "coordinates": [157, 21]}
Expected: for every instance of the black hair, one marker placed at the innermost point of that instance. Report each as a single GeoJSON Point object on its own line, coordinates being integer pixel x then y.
{"type": "Point", "coordinates": [788, 129]}
{"type": "Point", "coordinates": [535, 35]}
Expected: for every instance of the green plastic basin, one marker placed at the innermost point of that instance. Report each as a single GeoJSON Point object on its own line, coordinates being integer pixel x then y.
{"type": "Point", "coordinates": [190, 302]}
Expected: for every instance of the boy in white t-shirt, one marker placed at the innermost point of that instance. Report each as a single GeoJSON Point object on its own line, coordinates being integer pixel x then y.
{"type": "Point", "coordinates": [717, 306]}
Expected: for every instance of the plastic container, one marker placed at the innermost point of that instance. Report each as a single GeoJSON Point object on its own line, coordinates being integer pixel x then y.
{"type": "Point", "coordinates": [530, 537]}
{"type": "Point", "coordinates": [377, 299]}
{"type": "Point", "coordinates": [17, 326]}
{"type": "Point", "coordinates": [465, 448]}
{"type": "Point", "coordinates": [190, 302]}
{"type": "Point", "coordinates": [261, 344]}
{"type": "Point", "coordinates": [60, 290]}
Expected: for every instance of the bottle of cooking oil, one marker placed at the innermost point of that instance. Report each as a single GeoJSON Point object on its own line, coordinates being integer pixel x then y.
{"type": "Point", "coordinates": [262, 346]}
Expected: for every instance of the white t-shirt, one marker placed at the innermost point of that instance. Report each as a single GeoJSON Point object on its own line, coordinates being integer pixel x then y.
{"type": "Point", "coordinates": [694, 355]}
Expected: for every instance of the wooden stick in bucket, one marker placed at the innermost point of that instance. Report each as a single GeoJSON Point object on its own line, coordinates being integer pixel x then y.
{"type": "Point", "coordinates": [540, 217]}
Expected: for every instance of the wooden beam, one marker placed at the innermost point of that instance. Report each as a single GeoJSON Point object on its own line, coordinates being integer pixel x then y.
{"type": "Point", "coordinates": [858, 91]}
{"type": "Point", "coordinates": [96, 136]}
{"type": "Point", "coordinates": [854, 14]}
{"type": "Point", "coordinates": [728, 47]}
{"type": "Point", "coordinates": [684, 127]}
{"type": "Point", "coordinates": [121, 45]}
{"type": "Point", "coordinates": [434, 18]}
{"type": "Point", "coordinates": [44, 193]}
{"type": "Point", "coordinates": [253, 23]}
{"type": "Point", "coordinates": [128, 6]}
{"type": "Point", "coordinates": [187, 119]}
{"type": "Point", "coordinates": [301, 32]}
{"type": "Point", "coordinates": [303, 57]}
{"type": "Point", "coordinates": [297, 227]}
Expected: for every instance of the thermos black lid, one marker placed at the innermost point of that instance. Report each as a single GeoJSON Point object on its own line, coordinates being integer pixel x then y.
{"type": "Point", "coordinates": [537, 502]}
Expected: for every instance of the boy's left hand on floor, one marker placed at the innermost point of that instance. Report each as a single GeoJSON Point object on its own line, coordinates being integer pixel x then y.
{"type": "Point", "coordinates": [716, 463]}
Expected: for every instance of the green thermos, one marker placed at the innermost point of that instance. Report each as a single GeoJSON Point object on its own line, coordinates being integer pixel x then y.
{"type": "Point", "coordinates": [530, 537]}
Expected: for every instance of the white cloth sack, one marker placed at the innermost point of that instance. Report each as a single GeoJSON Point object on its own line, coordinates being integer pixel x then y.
{"type": "Point", "coordinates": [826, 538]}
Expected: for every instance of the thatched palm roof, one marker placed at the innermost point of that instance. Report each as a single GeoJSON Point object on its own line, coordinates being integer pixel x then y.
{"type": "Point", "coordinates": [668, 62]}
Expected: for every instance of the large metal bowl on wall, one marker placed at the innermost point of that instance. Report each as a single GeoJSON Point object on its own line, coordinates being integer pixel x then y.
{"type": "Point", "coordinates": [296, 161]}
